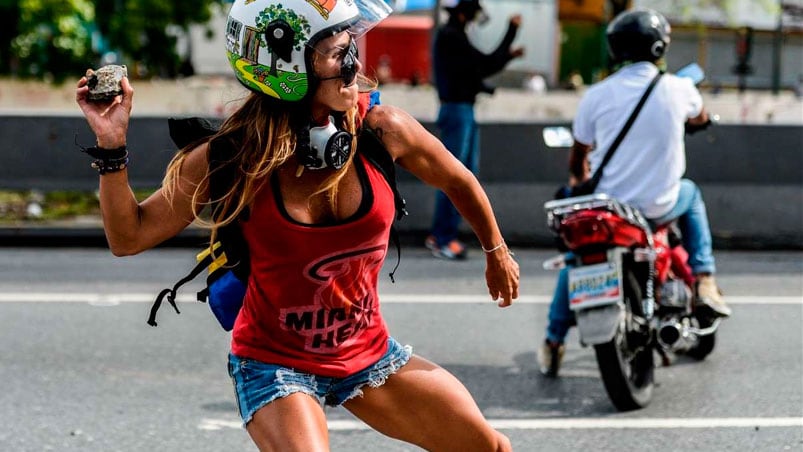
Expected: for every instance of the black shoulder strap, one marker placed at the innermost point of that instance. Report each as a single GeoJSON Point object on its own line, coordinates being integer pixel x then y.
{"type": "Point", "coordinates": [372, 148]}
{"type": "Point", "coordinates": [170, 293]}
{"type": "Point", "coordinates": [375, 152]}
{"type": "Point", "coordinates": [616, 142]}
{"type": "Point", "coordinates": [221, 177]}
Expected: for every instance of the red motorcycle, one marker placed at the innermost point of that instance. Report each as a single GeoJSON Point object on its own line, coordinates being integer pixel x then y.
{"type": "Point", "coordinates": [631, 290]}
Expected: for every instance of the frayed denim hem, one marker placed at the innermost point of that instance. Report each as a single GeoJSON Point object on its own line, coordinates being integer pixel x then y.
{"type": "Point", "coordinates": [378, 377]}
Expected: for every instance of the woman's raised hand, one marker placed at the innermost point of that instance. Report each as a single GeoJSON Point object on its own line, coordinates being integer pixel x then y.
{"type": "Point", "coordinates": [108, 120]}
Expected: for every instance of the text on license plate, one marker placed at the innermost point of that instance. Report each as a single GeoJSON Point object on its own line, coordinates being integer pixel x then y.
{"type": "Point", "coordinates": [594, 285]}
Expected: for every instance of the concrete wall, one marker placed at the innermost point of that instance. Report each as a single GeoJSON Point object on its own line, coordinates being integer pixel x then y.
{"type": "Point", "coordinates": [751, 176]}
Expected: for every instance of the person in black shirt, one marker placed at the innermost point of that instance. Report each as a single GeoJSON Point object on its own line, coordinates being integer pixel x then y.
{"type": "Point", "coordinates": [460, 70]}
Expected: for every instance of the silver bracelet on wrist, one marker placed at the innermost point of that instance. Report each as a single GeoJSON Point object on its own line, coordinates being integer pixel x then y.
{"type": "Point", "coordinates": [501, 244]}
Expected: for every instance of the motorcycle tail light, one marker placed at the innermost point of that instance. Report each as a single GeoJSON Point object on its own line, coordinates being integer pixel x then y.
{"type": "Point", "coordinates": [594, 227]}
{"type": "Point", "coordinates": [595, 258]}
{"type": "Point", "coordinates": [584, 230]}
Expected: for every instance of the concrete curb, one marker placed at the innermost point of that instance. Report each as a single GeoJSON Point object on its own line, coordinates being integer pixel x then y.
{"type": "Point", "coordinates": [56, 236]}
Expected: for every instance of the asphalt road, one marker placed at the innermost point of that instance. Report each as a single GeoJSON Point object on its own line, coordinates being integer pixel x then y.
{"type": "Point", "coordinates": [81, 371]}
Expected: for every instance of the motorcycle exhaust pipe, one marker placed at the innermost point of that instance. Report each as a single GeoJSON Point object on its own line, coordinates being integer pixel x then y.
{"type": "Point", "coordinates": [706, 331]}
{"type": "Point", "coordinates": [669, 333]}
{"type": "Point", "coordinates": [672, 335]}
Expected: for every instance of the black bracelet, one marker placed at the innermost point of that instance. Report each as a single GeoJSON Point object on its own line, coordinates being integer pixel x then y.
{"type": "Point", "coordinates": [105, 166]}
{"type": "Point", "coordinates": [107, 160]}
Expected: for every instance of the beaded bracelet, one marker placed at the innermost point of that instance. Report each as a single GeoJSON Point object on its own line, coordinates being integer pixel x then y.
{"type": "Point", "coordinates": [107, 160]}
{"type": "Point", "coordinates": [105, 166]}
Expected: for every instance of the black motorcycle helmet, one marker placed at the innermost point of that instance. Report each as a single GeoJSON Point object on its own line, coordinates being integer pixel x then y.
{"type": "Point", "coordinates": [638, 35]}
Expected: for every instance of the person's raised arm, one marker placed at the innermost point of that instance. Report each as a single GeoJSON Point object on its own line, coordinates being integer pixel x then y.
{"type": "Point", "coordinates": [132, 227]}
{"type": "Point", "coordinates": [423, 155]}
{"type": "Point", "coordinates": [489, 64]}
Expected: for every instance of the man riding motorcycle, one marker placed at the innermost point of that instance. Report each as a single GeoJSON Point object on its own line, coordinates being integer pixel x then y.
{"type": "Point", "coordinates": [647, 169]}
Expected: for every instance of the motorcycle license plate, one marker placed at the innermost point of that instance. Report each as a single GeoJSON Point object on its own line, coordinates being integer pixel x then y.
{"type": "Point", "coordinates": [594, 285]}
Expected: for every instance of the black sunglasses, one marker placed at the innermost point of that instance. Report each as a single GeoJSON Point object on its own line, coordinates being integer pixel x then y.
{"type": "Point", "coordinates": [348, 67]}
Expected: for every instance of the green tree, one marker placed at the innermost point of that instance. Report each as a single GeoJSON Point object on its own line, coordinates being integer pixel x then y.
{"type": "Point", "coordinates": [59, 39]}
{"type": "Point", "coordinates": [298, 24]}
{"type": "Point", "coordinates": [145, 32]}
{"type": "Point", "coordinates": [53, 37]}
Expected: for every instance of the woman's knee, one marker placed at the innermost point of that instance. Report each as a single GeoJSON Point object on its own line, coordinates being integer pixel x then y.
{"type": "Point", "coordinates": [488, 441]}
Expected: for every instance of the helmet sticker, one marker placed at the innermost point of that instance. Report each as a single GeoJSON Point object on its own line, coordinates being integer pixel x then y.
{"type": "Point", "coordinates": [276, 80]}
{"type": "Point", "coordinates": [267, 40]}
{"type": "Point", "coordinates": [324, 6]}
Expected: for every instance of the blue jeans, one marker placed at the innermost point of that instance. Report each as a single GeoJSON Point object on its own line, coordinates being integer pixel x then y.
{"type": "Point", "coordinates": [693, 222]}
{"type": "Point", "coordinates": [692, 219]}
{"type": "Point", "coordinates": [460, 134]}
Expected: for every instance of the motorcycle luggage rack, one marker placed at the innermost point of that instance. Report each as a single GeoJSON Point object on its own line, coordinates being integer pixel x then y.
{"type": "Point", "coordinates": [559, 208]}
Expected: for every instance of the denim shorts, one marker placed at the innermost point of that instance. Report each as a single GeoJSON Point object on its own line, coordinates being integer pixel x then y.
{"type": "Point", "coordinates": [256, 383]}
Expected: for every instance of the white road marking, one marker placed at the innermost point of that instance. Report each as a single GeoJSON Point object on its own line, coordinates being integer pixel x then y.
{"type": "Point", "coordinates": [574, 423]}
{"type": "Point", "coordinates": [99, 299]}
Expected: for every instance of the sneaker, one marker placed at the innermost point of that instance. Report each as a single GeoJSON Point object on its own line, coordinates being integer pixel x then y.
{"type": "Point", "coordinates": [550, 357]}
{"type": "Point", "coordinates": [431, 243]}
{"type": "Point", "coordinates": [709, 297]}
{"type": "Point", "coordinates": [454, 250]}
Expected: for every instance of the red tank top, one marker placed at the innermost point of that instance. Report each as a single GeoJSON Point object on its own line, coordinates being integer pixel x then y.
{"type": "Point", "coordinates": [312, 301]}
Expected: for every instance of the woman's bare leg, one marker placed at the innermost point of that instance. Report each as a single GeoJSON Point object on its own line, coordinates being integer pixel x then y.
{"type": "Point", "coordinates": [292, 423]}
{"type": "Point", "coordinates": [423, 404]}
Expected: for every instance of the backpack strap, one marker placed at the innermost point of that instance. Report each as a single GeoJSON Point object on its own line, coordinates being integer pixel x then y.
{"type": "Point", "coordinates": [170, 293]}
{"type": "Point", "coordinates": [184, 132]}
{"type": "Point", "coordinates": [222, 173]}
{"type": "Point", "coordinates": [370, 146]}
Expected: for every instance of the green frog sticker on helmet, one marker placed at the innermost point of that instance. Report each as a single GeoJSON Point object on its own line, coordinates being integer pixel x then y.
{"type": "Point", "coordinates": [268, 42]}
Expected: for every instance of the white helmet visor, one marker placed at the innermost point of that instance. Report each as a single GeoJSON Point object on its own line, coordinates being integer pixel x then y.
{"type": "Point", "coordinates": [371, 13]}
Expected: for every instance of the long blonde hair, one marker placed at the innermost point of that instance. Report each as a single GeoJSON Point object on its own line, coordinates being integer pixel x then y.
{"type": "Point", "coordinates": [262, 133]}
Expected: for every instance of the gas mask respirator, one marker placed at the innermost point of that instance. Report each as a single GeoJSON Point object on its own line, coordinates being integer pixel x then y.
{"type": "Point", "coordinates": [326, 147]}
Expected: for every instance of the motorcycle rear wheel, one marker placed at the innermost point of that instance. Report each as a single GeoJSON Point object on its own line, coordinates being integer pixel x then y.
{"type": "Point", "coordinates": [626, 362]}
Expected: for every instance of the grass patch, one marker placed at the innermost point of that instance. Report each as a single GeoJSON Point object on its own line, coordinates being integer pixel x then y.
{"type": "Point", "coordinates": [35, 206]}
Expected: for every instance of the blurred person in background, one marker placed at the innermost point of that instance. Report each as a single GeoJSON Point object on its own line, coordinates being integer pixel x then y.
{"type": "Point", "coordinates": [460, 72]}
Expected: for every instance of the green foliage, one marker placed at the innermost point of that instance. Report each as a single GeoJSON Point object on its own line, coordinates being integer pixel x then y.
{"type": "Point", "coordinates": [53, 38]}
{"type": "Point", "coordinates": [62, 205]}
{"type": "Point", "coordinates": [60, 39]}
{"type": "Point", "coordinates": [145, 32]}
{"type": "Point", "coordinates": [298, 23]}
{"type": "Point", "coordinates": [55, 205]}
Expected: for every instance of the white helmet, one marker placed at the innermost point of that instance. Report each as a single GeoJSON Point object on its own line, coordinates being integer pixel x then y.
{"type": "Point", "coordinates": [268, 42]}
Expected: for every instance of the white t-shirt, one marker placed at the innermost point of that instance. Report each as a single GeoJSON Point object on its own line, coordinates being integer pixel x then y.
{"type": "Point", "coordinates": [646, 169]}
